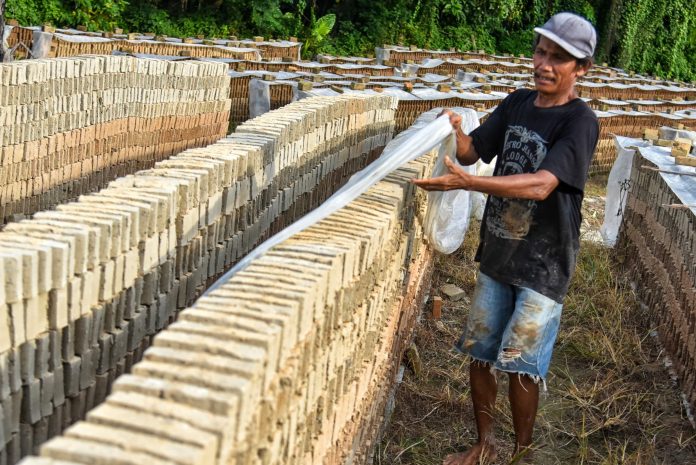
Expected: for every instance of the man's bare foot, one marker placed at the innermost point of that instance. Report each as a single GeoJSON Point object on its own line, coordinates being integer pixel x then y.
{"type": "Point", "coordinates": [478, 454]}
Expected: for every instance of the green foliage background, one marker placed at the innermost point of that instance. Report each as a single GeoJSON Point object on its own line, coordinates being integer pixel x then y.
{"type": "Point", "coordinates": [649, 36]}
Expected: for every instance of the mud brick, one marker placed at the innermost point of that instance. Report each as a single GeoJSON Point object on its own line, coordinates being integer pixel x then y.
{"type": "Point", "coordinates": [164, 311]}
{"type": "Point", "coordinates": [126, 304]}
{"type": "Point", "coordinates": [166, 276]}
{"type": "Point", "coordinates": [102, 388]}
{"type": "Point", "coordinates": [5, 388]}
{"type": "Point", "coordinates": [137, 297]}
{"type": "Point", "coordinates": [14, 449]}
{"type": "Point", "coordinates": [12, 407]}
{"type": "Point", "coordinates": [40, 434]}
{"type": "Point", "coordinates": [138, 327]}
{"type": "Point", "coordinates": [47, 393]}
{"type": "Point", "coordinates": [26, 439]}
{"type": "Point", "coordinates": [78, 406]}
{"type": "Point", "coordinates": [42, 355]}
{"type": "Point", "coordinates": [54, 349]}
{"type": "Point", "coordinates": [2, 427]}
{"type": "Point", "coordinates": [120, 345]}
{"type": "Point", "coordinates": [68, 342]}
{"type": "Point", "coordinates": [27, 361]}
{"type": "Point", "coordinates": [90, 397]}
{"type": "Point", "coordinates": [58, 386]}
{"type": "Point", "coordinates": [105, 344]}
{"type": "Point", "coordinates": [88, 368]}
{"type": "Point", "coordinates": [31, 402]}
{"type": "Point", "coordinates": [109, 311]}
{"type": "Point", "coordinates": [128, 362]}
{"type": "Point", "coordinates": [149, 289]}
{"type": "Point", "coordinates": [83, 334]}
{"type": "Point", "coordinates": [71, 376]}
{"type": "Point", "coordinates": [55, 423]}
{"type": "Point", "coordinates": [67, 413]}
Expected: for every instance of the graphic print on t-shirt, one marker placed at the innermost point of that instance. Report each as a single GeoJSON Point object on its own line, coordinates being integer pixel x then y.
{"type": "Point", "coordinates": [523, 152]}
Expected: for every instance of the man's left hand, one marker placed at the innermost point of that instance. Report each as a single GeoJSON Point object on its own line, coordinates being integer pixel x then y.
{"type": "Point", "coordinates": [456, 178]}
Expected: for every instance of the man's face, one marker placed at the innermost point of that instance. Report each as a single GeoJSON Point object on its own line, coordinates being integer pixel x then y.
{"type": "Point", "coordinates": [555, 70]}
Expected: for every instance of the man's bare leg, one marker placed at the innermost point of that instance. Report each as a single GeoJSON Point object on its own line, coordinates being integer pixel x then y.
{"type": "Point", "coordinates": [483, 392]}
{"type": "Point", "coordinates": [524, 402]}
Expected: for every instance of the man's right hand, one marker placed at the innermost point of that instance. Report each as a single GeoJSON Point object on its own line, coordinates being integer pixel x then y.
{"type": "Point", "coordinates": [466, 153]}
{"type": "Point", "coordinates": [455, 118]}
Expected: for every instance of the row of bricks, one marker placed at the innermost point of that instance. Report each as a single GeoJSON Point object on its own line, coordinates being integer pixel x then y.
{"type": "Point", "coordinates": [36, 159]}
{"type": "Point", "coordinates": [64, 48]}
{"type": "Point", "coordinates": [66, 94]}
{"type": "Point", "coordinates": [665, 265]}
{"type": "Point", "coordinates": [41, 70]}
{"type": "Point", "coordinates": [200, 174]}
{"type": "Point", "coordinates": [239, 361]}
{"type": "Point", "coordinates": [191, 185]}
{"type": "Point", "coordinates": [99, 133]}
{"type": "Point", "coordinates": [22, 133]}
{"type": "Point", "coordinates": [47, 187]}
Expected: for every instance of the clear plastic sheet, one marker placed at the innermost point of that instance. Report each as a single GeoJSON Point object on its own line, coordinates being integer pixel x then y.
{"type": "Point", "coordinates": [402, 150]}
{"type": "Point", "coordinates": [260, 95]}
{"type": "Point", "coordinates": [448, 214]}
{"type": "Point", "coordinates": [41, 44]}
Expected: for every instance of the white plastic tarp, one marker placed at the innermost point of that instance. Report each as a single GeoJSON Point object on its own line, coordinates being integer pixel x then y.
{"type": "Point", "coordinates": [618, 185]}
{"type": "Point", "coordinates": [679, 178]}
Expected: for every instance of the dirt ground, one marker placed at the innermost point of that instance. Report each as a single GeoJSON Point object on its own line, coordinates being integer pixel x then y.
{"type": "Point", "coordinates": [610, 399]}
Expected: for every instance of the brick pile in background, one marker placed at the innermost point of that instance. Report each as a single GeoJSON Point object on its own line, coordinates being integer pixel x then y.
{"type": "Point", "coordinates": [629, 124]}
{"type": "Point", "coordinates": [69, 126]}
{"type": "Point", "coordinates": [88, 285]}
{"type": "Point", "coordinates": [657, 246]}
{"type": "Point", "coordinates": [288, 362]}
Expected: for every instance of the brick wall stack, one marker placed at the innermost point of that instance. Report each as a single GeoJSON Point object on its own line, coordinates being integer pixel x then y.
{"type": "Point", "coordinates": [288, 362]}
{"type": "Point", "coordinates": [630, 124]}
{"type": "Point", "coordinates": [88, 285]}
{"type": "Point", "coordinates": [657, 246]}
{"type": "Point", "coordinates": [75, 43]}
{"type": "Point", "coordinates": [69, 126]}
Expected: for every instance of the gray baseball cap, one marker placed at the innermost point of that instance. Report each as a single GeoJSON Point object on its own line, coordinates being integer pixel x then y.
{"type": "Point", "coordinates": [573, 33]}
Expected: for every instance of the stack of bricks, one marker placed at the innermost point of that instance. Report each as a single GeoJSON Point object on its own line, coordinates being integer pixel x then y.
{"type": "Point", "coordinates": [283, 50]}
{"type": "Point", "coordinates": [450, 67]}
{"type": "Point", "coordinates": [239, 98]}
{"type": "Point", "coordinates": [657, 246]}
{"type": "Point", "coordinates": [390, 55]}
{"type": "Point", "coordinates": [329, 59]}
{"type": "Point", "coordinates": [20, 39]}
{"type": "Point", "coordinates": [634, 91]}
{"type": "Point", "coordinates": [88, 285]}
{"type": "Point", "coordinates": [76, 43]}
{"type": "Point", "coordinates": [288, 362]}
{"type": "Point", "coordinates": [408, 110]}
{"type": "Point", "coordinates": [69, 126]}
{"type": "Point", "coordinates": [184, 49]}
{"type": "Point", "coordinates": [630, 124]}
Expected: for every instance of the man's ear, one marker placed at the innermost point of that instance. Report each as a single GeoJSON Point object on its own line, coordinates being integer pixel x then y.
{"type": "Point", "coordinates": [582, 69]}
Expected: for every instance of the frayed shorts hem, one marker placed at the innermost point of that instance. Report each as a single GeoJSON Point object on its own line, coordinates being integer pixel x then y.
{"type": "Point", "coordinates": [495, 365]}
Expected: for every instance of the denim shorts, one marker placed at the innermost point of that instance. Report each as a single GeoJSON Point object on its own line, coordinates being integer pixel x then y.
{"type": "Point", "coordinates": [511, 328]}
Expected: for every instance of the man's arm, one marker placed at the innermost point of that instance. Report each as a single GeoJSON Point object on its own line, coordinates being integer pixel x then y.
{"type": "Point", "coordinates": [533, 186]}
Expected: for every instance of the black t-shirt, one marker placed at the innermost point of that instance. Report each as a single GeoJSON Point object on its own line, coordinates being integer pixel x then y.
{"type": "Point", "coordinates": [529, 243]}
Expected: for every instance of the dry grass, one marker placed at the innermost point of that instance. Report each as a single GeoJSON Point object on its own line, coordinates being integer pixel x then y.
{"type": "Point", "coordinates": [610, 400]}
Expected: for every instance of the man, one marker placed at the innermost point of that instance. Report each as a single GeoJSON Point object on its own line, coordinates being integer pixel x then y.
{"type": "Point", "coordinates": [544, 140]}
